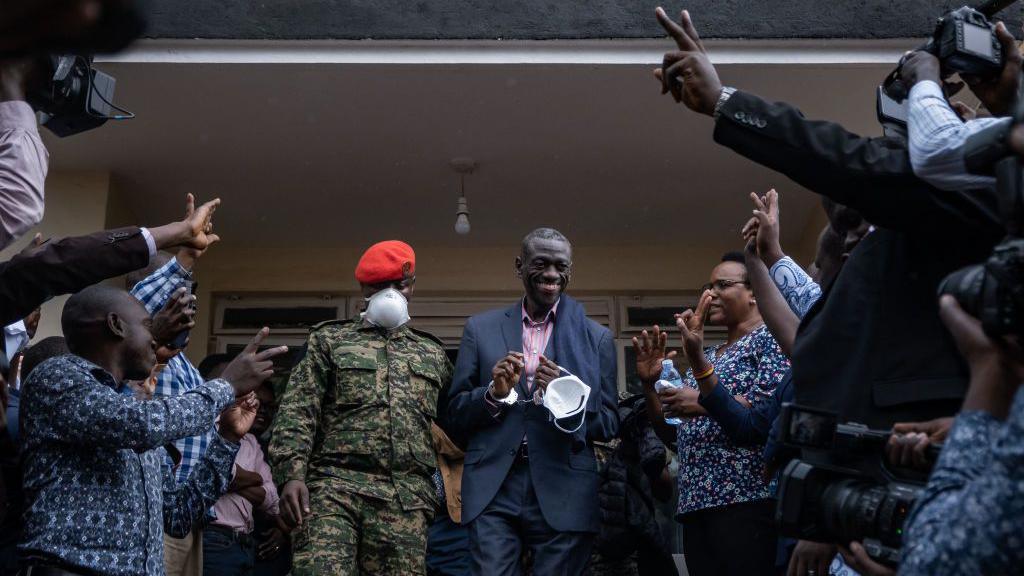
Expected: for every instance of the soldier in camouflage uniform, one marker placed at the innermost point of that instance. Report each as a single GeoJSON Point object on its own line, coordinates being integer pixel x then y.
{"type": "Point", "coordinates": [352, 439]}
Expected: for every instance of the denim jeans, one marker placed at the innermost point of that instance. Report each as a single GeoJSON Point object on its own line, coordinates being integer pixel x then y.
{"type": "Point", "coordinates": [225, 555]}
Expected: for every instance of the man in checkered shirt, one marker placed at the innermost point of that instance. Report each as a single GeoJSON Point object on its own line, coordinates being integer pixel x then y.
{"type": "Point", "coordinates": [182, 557]}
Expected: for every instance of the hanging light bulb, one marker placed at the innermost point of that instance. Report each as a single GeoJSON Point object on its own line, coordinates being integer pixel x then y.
{"type": "Point", "coordinates": [462, 212]}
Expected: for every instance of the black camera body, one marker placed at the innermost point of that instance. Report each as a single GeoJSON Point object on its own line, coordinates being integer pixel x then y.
{"type": "Point", "coordinates": [965, 42]}
{"type": "Point", "coordinates": [73, 96]}
{"type": "Point", "coordinates": [840, 490]}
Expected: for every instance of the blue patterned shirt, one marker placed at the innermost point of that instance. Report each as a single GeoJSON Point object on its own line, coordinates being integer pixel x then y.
{"type": "Point", "coordinates": [713, 469]}
{"type": "Point", "coordinates": [96, 498]}
{"type": "Point", "coordinates": [180, 375]}
{"type": "Point", "coordinates": [795, 285]}
{"type": "Point", "coordinates": [970, 518]}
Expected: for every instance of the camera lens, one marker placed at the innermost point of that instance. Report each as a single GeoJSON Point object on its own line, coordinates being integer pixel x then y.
{"type": "Point", "coordinates": [966, 285]}
{"type": "Point", "coordinates": [854, 510]}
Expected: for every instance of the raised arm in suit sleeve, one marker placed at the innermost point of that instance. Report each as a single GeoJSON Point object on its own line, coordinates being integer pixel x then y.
{"type": "Point", "coordinates": [67, 266]}
{"type": "Point", "coordinates": [871, 175]}
{"type": "Point", "coordinates": [468, 410]}
{"type": "Point", "coordinates": [606, 425]}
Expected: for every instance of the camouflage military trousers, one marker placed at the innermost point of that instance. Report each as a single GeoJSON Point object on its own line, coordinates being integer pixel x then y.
{"type": "Point", "coordinates": [354, 535]}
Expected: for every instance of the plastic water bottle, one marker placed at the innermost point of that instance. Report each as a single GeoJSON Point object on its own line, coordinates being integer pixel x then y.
{"type": "Point", "coordinates": [669, 378]}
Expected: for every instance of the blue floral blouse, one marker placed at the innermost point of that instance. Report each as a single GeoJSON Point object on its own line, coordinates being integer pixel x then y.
{"type": "Point", "coordinates": [713, 470]}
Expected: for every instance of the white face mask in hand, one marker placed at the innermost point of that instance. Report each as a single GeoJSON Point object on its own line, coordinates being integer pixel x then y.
{"type": "Point", "coordinates": [566, 399]}
{"type": "Point", "coordinates": [388, 309]}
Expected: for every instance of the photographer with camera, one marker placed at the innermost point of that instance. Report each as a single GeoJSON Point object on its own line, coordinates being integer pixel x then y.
{"type": "Point", "coordinates": [977, 480]}
{"type": "Point", "coordinates": [937, 134]}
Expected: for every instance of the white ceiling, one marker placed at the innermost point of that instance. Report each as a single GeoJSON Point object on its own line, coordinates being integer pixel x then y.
{"type": "Point", "coordinates": [332, 153]}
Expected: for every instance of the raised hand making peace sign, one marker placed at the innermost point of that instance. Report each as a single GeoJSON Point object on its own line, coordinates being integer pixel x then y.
{"type": "Point", "coordinates": [691, 325]}
{"type": "Point", "coordinates": [688, 73]}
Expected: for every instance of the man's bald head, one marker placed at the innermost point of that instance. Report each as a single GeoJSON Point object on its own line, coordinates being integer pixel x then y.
{"type": "Point", "coordinates": [87, 312]}
{"type": "Point", "coordinates": [110, 328]}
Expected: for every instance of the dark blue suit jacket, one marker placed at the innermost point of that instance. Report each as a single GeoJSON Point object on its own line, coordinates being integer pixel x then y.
{"type": "Point", "coordinates": [562, 466]}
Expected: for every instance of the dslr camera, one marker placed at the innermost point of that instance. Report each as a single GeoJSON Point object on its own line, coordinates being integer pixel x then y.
{"type": "Point", "coordinates": [841, 489]}
{"type": "Point", "coordinates": [964, 41]}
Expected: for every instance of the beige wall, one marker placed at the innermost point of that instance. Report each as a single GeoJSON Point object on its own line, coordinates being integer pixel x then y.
{"type": "Point", "coordinates": [76, 203]}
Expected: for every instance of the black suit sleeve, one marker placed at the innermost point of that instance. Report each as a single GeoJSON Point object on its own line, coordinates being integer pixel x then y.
{"type": "Point", "coordinates": [67, 266]}
{"type": "Point", "coordinates": [871, 175]}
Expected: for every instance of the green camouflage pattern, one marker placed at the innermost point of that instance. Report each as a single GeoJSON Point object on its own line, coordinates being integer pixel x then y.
{"type": "Point", "coordinates": [351, 535]}
{"type": "Point", "coordinates": [357, 411]}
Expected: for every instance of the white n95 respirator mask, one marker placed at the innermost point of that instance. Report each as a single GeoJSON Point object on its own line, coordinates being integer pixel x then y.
{"type": "Point", "coordinates": [566, 399]}
{"type": "Point", "coordinates": [388, 309]}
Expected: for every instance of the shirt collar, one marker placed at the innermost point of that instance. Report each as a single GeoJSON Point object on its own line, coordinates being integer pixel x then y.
{"type": "Point", "coordinates": [549, 317]}
{"type": "Point", "coordinates": [100, 374]}
{"type": "Point", "coordinates": [16, 328]}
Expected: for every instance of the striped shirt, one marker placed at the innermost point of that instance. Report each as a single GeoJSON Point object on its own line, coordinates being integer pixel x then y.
{"type": "Point", "coordinates": [937, 137]}
{"type": "Point", "coordinates": [535, 341]}
{"type": "Point", "coordinates": [180, 376]}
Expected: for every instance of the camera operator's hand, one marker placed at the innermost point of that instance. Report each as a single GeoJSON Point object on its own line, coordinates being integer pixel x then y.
{"type": "Point", "coordinates": [650, 352]}
{"type": "Point", "coordinates": [688, 74]}
{"type": "Point", "coordinates": [175, 317]}
{"type": "Point", "coordinates": [856, 557]}
{"type": "Point", "coordinates": [997, 368]}
{"type": "Point", "coordinates": [250, 368]}
{"type": "Point", "coordinates": [908, 445]}
{"type": "Point", "coordinates": [919, 66]}
{"type": "Point", "coordinates": [811, 558]}
{"type": "Point", "coordinates": [999, 92]}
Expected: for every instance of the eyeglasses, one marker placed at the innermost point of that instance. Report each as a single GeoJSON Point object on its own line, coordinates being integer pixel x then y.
{"type": "Point", "coordinates": [721, 285]}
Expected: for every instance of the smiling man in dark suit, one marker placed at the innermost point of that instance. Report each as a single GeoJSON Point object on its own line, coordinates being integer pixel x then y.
{"type": "Point", "coordinates": [526, 482]}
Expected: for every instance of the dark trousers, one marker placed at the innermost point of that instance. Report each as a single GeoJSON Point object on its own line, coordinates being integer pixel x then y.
{"type": "Point", "coordinates": [226, 554]}
{"type": "Point", "coordinates": [513, 520]}
{"type": "Point", "coordinates": [736, 539]}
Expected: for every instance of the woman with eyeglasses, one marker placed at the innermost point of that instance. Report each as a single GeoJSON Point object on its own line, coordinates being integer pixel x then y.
{"type": "Point", "coordinates": [725, 505]}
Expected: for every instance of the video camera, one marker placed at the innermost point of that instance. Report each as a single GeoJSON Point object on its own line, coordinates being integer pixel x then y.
{"type": "Point", "coordinates": [993, 291]}
{"type": "Point", "coordinates": [72, 96]}
{"type": "Point", "coordinates": [841, 489]}
{"type": "Point", "coordinates": [964, 41]}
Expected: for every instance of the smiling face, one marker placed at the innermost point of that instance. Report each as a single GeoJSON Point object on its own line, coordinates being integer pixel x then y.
{"type": "Point", "coordinates": [731, 299]}
{"type": "Point", "coordinates": [545, 266]}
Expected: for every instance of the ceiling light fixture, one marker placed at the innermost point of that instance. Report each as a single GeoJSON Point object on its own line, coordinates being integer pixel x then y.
{"type": "Point", "coordinates": [463, 166]}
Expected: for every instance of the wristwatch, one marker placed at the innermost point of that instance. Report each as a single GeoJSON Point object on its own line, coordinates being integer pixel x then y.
{"type": "Point", "coordinates": [511, 399]}
{"type": "Point", "coordinates": [723, 97]}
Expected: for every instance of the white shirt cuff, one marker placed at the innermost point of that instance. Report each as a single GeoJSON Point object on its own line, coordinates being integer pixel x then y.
{"type": "Point", "coordinates": [149, 242]}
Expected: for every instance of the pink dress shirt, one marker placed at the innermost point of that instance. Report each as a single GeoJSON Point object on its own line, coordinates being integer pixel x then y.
{"type": "Point", "coordinates": [234, 511]}
{"type": "Point", "coordinates": [24, 162]}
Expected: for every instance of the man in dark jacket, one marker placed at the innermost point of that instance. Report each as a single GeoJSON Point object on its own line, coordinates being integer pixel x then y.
{"type": "Point", "coordinates": [872, 348]}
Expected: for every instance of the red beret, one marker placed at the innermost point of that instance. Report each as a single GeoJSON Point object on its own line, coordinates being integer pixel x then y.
{"type": "Point", "coordinates": [386, 261]}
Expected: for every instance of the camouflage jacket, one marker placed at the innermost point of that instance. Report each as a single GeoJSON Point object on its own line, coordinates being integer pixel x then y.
{"type": "Point", "coordinates": [357, 411]}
